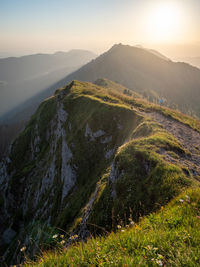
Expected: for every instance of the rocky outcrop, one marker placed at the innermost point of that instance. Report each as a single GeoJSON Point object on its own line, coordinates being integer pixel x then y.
{"type": "Point", "coordinates": [54, 165]}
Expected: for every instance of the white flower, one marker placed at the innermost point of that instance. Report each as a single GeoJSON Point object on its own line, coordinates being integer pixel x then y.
{"type": "Point", "coordinates": [55, 236]}
{"type": "Point", "coordinates": [159, 262]}
{"type": "Point", "coordinates": [181, 200]}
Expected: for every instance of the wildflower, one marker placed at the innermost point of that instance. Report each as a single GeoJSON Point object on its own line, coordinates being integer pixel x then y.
{"type": "Point", "coordinates": [155, 249]}
{"type": "Point", "coordinates": [181, 200]}
{"type": "Point", "coordinates": [73, 237]}
{"type": "Point", "coordinates": [132, 223]}
{"type": "Point", "coordinates": [122, 230]}
{"type": "Point", "coordinates": [62, 242]}
{"type": "Point", "coordinates": [119, 226]}
{"type": "Point", "coordinates": [61, 236]}
{"type": "Point", "coordinates": [159, 262]}
{"type": "Point", "coordinates": [23, 249]}
{"type": "Point", "coordinates": [149, 247]}
{"type": "Point", "coordinates": [55, 236]}
{"type": "Point", "coordinates": [187, 198]}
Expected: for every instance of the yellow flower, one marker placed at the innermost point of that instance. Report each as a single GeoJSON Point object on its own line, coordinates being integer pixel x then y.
{"type": "Point", "coordinates": [73, 237]}
{"type": "Point", "coordinates": [119, 226]}
{"type": "Point", "coordinates": [23, 249]}
{"type": "Point", "coordinates": [62, 242]}
{"type": "Point", "coordinates": [62, 236]}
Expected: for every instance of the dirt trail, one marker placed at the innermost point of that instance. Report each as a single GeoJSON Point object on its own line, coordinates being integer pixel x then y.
{"type": "Point", "coordinates": [189, 139]}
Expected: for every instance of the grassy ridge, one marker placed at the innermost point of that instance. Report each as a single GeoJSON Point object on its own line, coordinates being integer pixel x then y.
{"type": "Point", "coordinates": [110, 94]}
{"type": "Point", "coordinates": [145, 180]}
{"type": "Point", "coordinates": [170, 237]}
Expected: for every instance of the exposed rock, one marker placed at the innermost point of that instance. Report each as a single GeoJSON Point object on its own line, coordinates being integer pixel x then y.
{"type": "Point", "coordinates": [68, 175]}
{"type": "Point", "coordinates": [89, 133]}
{"type": "Point", "coordinates": [109, 153]}
{"type": "Point", "coordinates": [106, 140]}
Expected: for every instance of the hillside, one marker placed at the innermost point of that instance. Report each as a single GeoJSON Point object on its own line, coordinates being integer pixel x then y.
{"type": "Point", "coordinates": [145, 71]}
{"type": "Point", "coordinates": [23, 77]}
{"type": "Point", "coordinates": [90, 159]}
{"type": "Point", "coordinates": [165, 238]}
{"type": "Point", "coordinates": [23, 82]}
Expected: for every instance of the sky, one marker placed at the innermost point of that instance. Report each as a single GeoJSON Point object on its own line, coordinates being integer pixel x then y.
{"type": "Point", "coordinates": [46, 26]}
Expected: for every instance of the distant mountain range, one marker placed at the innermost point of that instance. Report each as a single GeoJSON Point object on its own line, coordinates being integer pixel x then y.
{"type": "Point", "coordinates": [195, 61]}
{"type": "Point", "coordinates": [142, 70]}
{"type": "Point", "coordinates": [23, 77]}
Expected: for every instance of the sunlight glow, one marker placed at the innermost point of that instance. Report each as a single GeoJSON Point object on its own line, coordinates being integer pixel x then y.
{"type": "Point", "coordinates": [164, 22]}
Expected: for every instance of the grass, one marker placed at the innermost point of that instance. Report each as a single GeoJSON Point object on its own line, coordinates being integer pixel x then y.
{"type": "Point", "coordinates": [84, 107]}
{"type": "Point", "coordinates": [145, 181]}
{"type": "Point", "coordinates": [116, 96]}
{"type": "Point", "coordinates": [169, 237]}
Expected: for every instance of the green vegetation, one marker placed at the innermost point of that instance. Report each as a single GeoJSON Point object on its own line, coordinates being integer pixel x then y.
{"type": "Point", "coordinates": [144, 179]}
{"type": "Point", "coordinates": [110, 93]}
{"type": "Point", "coordinates": [169, 237]}
{"type": "Point", "coordinates": [85, 105]}
{"type": "Point", "coordinates": [116, 151]}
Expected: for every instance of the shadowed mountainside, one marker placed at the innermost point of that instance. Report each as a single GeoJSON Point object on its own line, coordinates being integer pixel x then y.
{"type": "Point", "coordinates": [23, 77]}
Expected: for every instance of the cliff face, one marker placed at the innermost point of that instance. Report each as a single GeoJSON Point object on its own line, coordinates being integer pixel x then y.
{"type": "Point", "coordinates": [89, 156]}
{"type": "Point", "coordinates": [54, 164]}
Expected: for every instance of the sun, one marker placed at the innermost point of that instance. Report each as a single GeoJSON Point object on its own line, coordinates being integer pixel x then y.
{"type": "Point", "coordinates": [164, 21]}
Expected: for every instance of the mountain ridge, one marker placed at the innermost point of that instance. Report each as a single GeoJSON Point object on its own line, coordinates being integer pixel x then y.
{"type": "Point", "coordinates": [89, 156]}
{"type": "Point", "coordinates": [22, 77]}
{"type": "Point", "coordinates": [140, 69]}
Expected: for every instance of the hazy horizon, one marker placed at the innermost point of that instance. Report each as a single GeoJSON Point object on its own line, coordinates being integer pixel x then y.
{"type": "Point", "coordinates": [31, 27]}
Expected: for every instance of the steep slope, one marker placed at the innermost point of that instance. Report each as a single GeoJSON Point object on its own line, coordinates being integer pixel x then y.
{"type": "Point", "coordinates": [89, 159]}
{"type": "Point", "coordinates": [168, 238]}
{"type": "Point", "coordinates": [141, 70]}
{"type": "Point", "coordinates": [23, 82]}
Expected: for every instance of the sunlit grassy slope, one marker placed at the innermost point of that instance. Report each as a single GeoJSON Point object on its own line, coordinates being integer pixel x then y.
{"type": "Point", "coordinates": [145, 182]}
{"type": "Point", "coordinates": [170, 237]}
